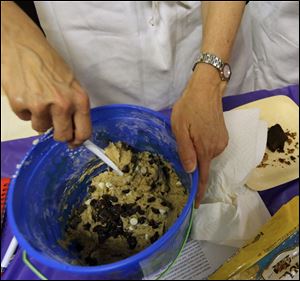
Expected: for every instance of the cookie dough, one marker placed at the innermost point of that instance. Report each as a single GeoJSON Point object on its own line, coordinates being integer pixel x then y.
{"type": "Point", "coordinates": [122, 215]}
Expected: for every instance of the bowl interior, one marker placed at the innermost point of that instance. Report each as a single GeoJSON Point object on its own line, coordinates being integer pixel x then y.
{"type": "Point", "coordinates": [48, 184]}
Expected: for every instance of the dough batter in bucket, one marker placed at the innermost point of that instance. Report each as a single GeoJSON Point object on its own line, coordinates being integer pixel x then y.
{"type": "Point", "coordinates": [122, 215]}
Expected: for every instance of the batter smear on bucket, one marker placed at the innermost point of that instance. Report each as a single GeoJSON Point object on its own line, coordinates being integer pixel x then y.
{"type": "Point", "coordinates": [122, 215]}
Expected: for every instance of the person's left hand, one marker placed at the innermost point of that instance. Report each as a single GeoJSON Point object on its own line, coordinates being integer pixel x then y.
{"type": "Point", "coordinates": [198, 124]}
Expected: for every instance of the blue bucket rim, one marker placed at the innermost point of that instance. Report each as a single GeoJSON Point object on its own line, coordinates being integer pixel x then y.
{"type": "Point", "coordinates": [111, 266]}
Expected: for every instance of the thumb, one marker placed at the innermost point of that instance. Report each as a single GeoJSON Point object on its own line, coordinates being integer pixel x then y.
{"type": "Point", "coordinates": [186, 150]}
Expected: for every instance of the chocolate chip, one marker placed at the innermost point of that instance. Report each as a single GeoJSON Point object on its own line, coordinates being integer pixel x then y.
{"type": "Point", "coordinates": [153, 186]}
{"type": "Point", "coordinates": [98, 228]}
{"type": "Point", "coordinates": [134, 159]}
{"type": "Point", "coordinates": [119, 227]}
{"type": "Point", "coordinates": [166, 171]}
{"type": "Point", "coordinates": [141, 220]}
{"type": "Point", "coordinates": [115, 229]}
{"type": "Point", "coordinates": [102, 215]}
{"type": "Point", "coordinates": [127, 234]}
{"type": "Point", "coordinates": [140, 211]}
{"type": "Point", "coordinates": [95, 203]}
{"type": "Point", "coordinates": [151, 199]}
{"type": "Point", "coordinates": [116, 208]}
{"type": "Point", "coordinates": [95, 216]}
{"type": "Point", "coordinates": [116, 211]}
{"type": "Point", "coordinates": [126, 169]}
{"type": "Point", "coordinates": [74, 222]}
{"type": "Point", "coordinates": [155, 211]}
{"type": "Point", "coordinates": [106, 203]}
{"type": "Point", "coordinates": [154, 224]}
{"type": "Point", "coordinates": [92, 188]}
{"type": "Point", "coordinates": [151, 161]}
{"type": "Point", "coordinates": [78, 246]}
{"type": "Point", "coordinates": [132, 242]}
{"type": "Point", "coordinates": [87, 226]}
{"type": "Point", "coordinates": [138, 198]}
{"type": "Point", "coordinates": [154, 237]}
{"type": "Point", "coordinates": [110, 198]}
{"type": "Point", "coordinates": [126, 191]}
{"type": "Point", "coordinates": [114, 234]}
{"type": "Point", "coordinates": [166, 203]}
{"type": "Point", "coordinates": [114, 215]}
{"type": "Point", "coordinates": [91, 261]}
{"type": "Point", "coordinates": [128, 210]}
{"type": "Point", "coordinates": [102, 237]}
{"type": "Point", "coordinates": [81, 209]}
{"type": "Point", "coordinates": [128, 147]}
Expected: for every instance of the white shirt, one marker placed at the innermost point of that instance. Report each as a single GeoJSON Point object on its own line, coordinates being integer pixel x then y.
{"type": "Point", "coordinates": [139, 52]}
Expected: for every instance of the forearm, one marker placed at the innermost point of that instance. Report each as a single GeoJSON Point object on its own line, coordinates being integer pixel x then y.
{"type": "Point", "coordinates": [23, 45]}
{"type": "Point", "coordinates": [197, 117]}
{"type": "Point", "coordinates": [16, 27]}
{"type": "Point", "coordinates": [38, 83]}
{"type": "Point", "coordinates": [221, 20]}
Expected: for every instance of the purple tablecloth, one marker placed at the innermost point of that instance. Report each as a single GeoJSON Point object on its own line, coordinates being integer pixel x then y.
{"type": "Point", "coordinates": [13, 151]}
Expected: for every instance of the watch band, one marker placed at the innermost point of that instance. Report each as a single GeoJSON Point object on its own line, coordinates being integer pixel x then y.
{"type": "Point", "coordinates": [217, 63]}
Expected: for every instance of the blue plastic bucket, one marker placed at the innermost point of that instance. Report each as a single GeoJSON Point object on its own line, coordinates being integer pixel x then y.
{"type": "Point", "coordinates": [46, 182]}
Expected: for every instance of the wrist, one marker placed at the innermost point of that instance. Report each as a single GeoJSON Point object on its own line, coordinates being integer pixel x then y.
{"type": "Point", "coordinates": [211, 59]}
{"type": "Point", "coordinates": [206, 82]}
{"type": "Point", "coordinates": [205, 73]}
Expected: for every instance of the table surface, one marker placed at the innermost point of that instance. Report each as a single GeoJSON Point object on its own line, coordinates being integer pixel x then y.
{"type": "Point", "coordinates": [12, 152]}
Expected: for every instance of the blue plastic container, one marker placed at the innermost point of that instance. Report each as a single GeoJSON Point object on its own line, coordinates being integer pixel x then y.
{"type": "Point", "coordinates": [48, 180]}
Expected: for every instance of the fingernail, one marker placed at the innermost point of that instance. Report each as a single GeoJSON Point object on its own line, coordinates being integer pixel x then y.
{"type": "Point", "coordinates": [72, 145]}
{"type": "Point", "coordinates": [189, 166]}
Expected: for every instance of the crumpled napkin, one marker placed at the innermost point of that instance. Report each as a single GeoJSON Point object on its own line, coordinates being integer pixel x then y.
{"type": "Point", "coordinates": [230, 213]}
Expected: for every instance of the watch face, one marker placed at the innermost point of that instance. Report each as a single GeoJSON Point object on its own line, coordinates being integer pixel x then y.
{"type": "Point", "coordinates": [226, 71]}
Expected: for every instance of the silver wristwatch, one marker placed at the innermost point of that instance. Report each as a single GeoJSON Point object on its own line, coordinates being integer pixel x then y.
{"type": "Point", "coordinates": [223, 68]}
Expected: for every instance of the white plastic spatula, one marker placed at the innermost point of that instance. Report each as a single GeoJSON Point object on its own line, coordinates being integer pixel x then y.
{"type": "Point", "coordinates": [101, 154]}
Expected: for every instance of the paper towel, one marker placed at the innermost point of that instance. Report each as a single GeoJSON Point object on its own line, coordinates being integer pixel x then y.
{"type": "Point", "coordinates": [230, 213]}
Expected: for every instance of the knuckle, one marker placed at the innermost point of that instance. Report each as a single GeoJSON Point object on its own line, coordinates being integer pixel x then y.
{"type": "Point", "coordinates": [63, 106]}
{"type": "Point", "coordinates": [62, 137]}
{"type": "Point", "coordinates": [38, 109]}
{"type": "Point", "coordinates": [17, 105]}
{"type": "Point", "coordinates": [64, 133]}
{"type": "Point", "coordinates": [83, 102]}
{"type": "Point", "coordinates": [222, 145]}
{"type": "Point", "coordinates": [23, 116]}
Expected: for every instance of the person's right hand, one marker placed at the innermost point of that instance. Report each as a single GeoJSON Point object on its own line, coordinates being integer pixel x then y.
{"type": "Point", "coordinates": [39, 84]}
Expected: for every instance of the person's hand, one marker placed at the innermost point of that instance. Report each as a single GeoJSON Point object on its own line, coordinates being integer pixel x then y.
{"type": "Point", "coordinates": [198, 124]}
{"type": "Point", "coordinates": [38, 83]}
